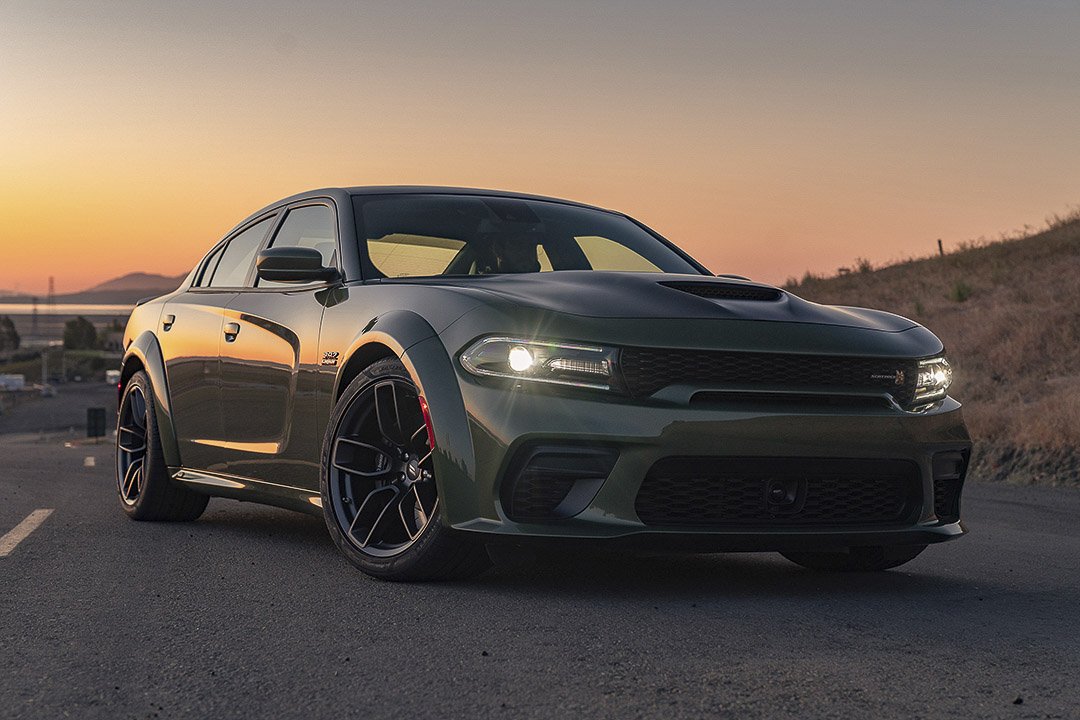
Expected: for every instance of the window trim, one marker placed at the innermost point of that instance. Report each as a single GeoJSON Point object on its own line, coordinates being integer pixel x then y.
{"type": "Point", "coordinates": [204, 264]}
{"type": "Point", "coordinates": [274, 216]}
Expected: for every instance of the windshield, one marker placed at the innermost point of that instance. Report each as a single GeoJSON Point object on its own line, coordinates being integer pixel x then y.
{"type": "Point", "coordinates": [425, 235]}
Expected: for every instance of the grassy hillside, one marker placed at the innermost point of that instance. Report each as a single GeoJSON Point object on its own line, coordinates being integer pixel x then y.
{"type": "Point", "coordinates": [1009, 315]}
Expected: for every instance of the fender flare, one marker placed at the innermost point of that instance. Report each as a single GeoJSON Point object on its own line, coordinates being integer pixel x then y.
{"type": "Point", "coordinates": [144, 353]}
{"type": "Point", "coordinates": [397, 330]}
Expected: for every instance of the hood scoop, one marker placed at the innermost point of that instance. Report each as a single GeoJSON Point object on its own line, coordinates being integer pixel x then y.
{"type": "Point", "coordinates": [727, 291]}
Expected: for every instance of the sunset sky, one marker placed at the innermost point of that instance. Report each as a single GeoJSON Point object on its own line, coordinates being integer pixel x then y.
{"type": "Point", "coordinates": [767, 138]}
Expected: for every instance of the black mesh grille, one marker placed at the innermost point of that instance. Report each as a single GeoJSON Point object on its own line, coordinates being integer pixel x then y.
{"type": "Point", "coordinates": [949, 471]}
{"type": "Point", "coordinates": [947, 499]}
{"type": "Point", "coordinates": [726, 291]}
{"type": "Point", "coordinates": [646, 370]}
{"type": "Point", "coordinates": [681, 492]}
{"type": "Point", "coordinates": [536, 494]}
{"type": "Point", "coordinates": [547, 482]}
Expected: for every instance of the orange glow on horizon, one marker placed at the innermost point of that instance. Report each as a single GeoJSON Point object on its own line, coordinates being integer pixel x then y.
{"type": "Point", "coordinates": [766, 142]}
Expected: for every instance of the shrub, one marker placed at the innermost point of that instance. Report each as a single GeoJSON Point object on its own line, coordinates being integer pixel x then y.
{"type": "Point", "coordinates": [9, 337]}
{"type": "Point", "coordinates": [80, 334]}
{"type": "Point", "coordinates": [960, 291]}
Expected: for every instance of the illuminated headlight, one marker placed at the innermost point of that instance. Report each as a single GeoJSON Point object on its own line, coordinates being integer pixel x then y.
{"type": "Point", "coordinates": [586, 366]}
{"type": "Point", "coordinates": [935, 376]}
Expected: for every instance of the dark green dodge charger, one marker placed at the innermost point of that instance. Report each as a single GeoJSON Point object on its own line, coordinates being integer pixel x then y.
{"type": "Point", "coordinates": [434, 370]}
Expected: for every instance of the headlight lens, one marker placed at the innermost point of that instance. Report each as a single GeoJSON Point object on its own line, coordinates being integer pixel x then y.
{"type": "Point", "coordinates": [587, 366]}
{"type": "Point", "coordinates": [935, 376]}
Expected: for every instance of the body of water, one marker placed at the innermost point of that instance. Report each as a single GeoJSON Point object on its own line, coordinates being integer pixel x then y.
{"type": "Point", "coordinates": [66, 310]}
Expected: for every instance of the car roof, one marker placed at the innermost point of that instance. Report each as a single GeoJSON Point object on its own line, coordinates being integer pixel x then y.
{"type": "Point", "coordinates": [337, 192]}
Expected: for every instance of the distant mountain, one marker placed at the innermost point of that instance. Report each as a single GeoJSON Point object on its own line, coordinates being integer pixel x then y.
{"type": "Point", "coordinates": [124, 290]}
{"type": "Point", "coordinates": [138, 281]}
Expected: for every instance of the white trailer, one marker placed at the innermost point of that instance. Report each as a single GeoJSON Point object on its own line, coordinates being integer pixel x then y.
{"type": "Point", "coordinates": [12, 382]}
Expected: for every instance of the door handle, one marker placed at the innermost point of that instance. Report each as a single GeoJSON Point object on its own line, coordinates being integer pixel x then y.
{"type": "Point", "coordinates": [231, 331]}
{"type": "Point", "coordinates": [167, 322]}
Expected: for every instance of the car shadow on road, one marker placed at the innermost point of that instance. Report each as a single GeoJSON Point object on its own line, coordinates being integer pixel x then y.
{"type": "Point", "coordinates": [252, 523]}
{"type": "Point", "coordinates": [591, 574]}
{"type": "Point", "coordinates": [671, 577]}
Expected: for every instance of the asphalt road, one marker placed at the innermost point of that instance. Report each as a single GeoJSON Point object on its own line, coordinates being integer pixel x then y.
{"type": "Point", "coordinates": [250, 612]}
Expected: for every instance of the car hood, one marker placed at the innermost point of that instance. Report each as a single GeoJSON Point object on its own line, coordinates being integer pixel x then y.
{"type": "Point", "coordinates": [657, 296]}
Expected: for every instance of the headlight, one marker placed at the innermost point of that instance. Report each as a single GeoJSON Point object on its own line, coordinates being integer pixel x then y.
{"type": "Point", "coordinates": [935, 376]}
{"type": "Point", "coordinates": [586, 366]}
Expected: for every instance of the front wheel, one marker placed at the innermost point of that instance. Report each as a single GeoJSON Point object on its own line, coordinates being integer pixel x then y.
{"type": "Point", "coordinates": [857, 559]}
{"type": "Point", "coordinates": [379, 495]}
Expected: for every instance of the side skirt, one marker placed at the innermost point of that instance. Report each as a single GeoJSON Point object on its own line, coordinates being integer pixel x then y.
{"type": "Point", "coordinates": [248, 490]}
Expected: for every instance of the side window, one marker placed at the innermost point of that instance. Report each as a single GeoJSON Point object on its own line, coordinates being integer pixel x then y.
{"type": "Point", "coordinates": [605, 254]}
{"type": "Point", "coordinates": [311, 226]}
{"type": "Point", "coordinates": [239, 256]}
{"type": "Point", "coordinates": [209, 266]}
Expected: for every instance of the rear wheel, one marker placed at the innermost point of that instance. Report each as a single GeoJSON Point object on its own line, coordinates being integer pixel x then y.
{"type": "Point", "coordinates": [142, 480]}
{"type": "Point", "coordinates": [857, 559]}
{"type": "Point", "coordinates": [379, 494]}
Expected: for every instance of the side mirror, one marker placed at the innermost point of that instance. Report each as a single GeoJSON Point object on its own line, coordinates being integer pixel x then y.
{"type": "Point", "coordinates": [293, 264]}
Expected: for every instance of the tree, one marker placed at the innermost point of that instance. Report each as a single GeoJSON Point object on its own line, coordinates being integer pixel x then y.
{"type": "Point", "coordinates": [9, 336]}
{"type": "Point", "coordinates": [80, 334]}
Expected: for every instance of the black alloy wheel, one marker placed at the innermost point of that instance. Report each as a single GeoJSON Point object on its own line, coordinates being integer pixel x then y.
{"type": "Point", "coordinates": [379, 492]}
{"type": "Point", "coordinates": [131, 445]}
{"type": "Point", "coordinates": [382, 484]}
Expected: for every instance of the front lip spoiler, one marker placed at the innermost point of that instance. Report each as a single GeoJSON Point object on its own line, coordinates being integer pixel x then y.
{"type": "Point", "coordinates": [747, 540]}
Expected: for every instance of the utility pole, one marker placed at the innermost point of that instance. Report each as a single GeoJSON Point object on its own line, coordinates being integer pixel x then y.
{"type": "Point", "coordinates": [940, 249]}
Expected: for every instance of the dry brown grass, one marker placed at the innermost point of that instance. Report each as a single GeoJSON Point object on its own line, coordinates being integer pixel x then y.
{"type": "Point", "coordinates": [1009, 315]}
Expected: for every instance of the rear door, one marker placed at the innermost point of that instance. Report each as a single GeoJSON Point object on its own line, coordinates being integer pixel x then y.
{"type": "Point", "coordinates": [191, 334]}
{"type": "Point", "coordinates": [270, 364]}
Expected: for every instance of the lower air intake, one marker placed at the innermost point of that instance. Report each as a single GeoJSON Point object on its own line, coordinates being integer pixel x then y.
{"type": "Point", "coordinates": [552, 482]}
{"type": "Point", "coordinates": [949, 471]}
{"type": "Point", "coordinates": [775, 492]}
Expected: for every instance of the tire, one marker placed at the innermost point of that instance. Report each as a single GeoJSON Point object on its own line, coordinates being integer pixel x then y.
{"type": "Point", "coordinates": [428, 548]}
{"type": "Point", "coordinates": [857, 559]}
{"type": "Point", "coordinates": [145, 490]}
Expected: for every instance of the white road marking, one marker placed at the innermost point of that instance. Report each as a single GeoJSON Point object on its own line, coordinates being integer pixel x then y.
{"type": "Point", "coordinates": [19, 533]}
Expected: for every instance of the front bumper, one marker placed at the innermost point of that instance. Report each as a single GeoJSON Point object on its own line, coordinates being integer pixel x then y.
{"type": "Point", "coordinates": [503, 419]}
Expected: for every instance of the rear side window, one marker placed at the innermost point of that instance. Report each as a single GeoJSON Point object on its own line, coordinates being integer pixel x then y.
{"type": "Point", "coordinates": [236, 262]}
{"type": "Point", "coordinates": [209, 266]}
{"type": "Point", "coordinates": [311, 226]}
